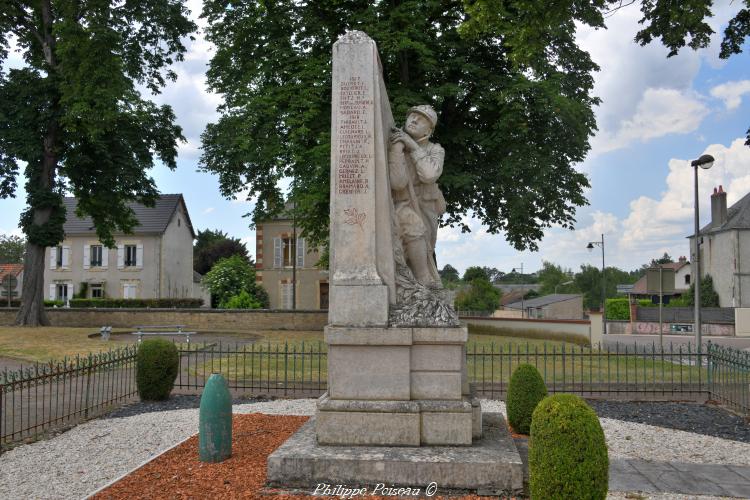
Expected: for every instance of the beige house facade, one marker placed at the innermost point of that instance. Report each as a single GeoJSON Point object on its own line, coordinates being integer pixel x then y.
{"type": "Point", "coordinates": [725, 249]}
{"type": "Point", "coordinates": [156, 261]}
{"type": "Point", "coordinates": [286, 267]}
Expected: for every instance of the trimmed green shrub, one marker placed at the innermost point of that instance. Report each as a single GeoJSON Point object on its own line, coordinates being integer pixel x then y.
{"type": "Point", "coordinates": [618, 309]}
{"type": "Point", "coordinates": [525, 391]}
{"type": "Point", "coordinates": [181, 303]}
{"type": "Point", "coordinates": [157, 364]}
{"type": "Point", "coordinates": [567, 452]}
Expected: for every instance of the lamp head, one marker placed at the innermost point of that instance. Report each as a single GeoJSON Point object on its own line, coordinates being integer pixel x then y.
{"type": "Point", "coordinates": [705, 162]}
{"type": "Point", "coordinates": [590, 246]}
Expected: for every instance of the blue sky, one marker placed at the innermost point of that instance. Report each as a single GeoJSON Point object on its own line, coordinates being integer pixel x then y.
{"type": "Point", "coordinates": [657, 114]}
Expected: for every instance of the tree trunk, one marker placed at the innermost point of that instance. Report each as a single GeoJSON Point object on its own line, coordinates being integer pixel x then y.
{"type": "Point", "coordinates": [32, 307]}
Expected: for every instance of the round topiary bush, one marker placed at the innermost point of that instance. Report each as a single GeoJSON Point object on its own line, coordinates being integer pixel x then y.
{"type": "Point", "coordinates": [157, 363]}
{"type": "Point", "coordinates": [525, 391]}
{"type": "Point", "coordinates": [567, 452]}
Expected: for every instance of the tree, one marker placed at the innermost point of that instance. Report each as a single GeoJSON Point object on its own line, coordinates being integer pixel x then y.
{"type": "Point", "coordinates": [675, 24]}
{"type": "Point", "coordinates": [211, 246]}
{"type": "Point", "coordinates": [589, 282]}
{"type": "Point", "coordinates": [475, 272]}
{"type": "Point", "coordinates": [480, 295]}
{"type": "Point", "coordinates": [552, 276]}
{"type": "Point", "coordinates": [230, 277]}
{"type": "Point", "coordinates": [73, 115]}
{"type": "Point", "coordinates": [449, 274]}
{"type": "Point", "coordinates": [512, 124]}
{"type": "Point", "coordinates": [11, 249]}
{"type": "Point", "coordinates": [709, 297]}
{"type": "Point", "coordinates": [664, 259]}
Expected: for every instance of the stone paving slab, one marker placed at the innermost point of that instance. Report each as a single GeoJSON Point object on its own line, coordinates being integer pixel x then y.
{"type": "Point", "coordinates": [676, 477]}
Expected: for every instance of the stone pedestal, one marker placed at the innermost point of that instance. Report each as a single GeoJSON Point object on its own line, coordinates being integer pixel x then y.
{"type": "Point", "coordinates": [491, 465]}
{"type": "Point", "coordinates": [397, 387]}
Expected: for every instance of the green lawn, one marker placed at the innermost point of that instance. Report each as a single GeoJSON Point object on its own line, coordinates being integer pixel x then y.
{"type": "Point", "coordinates": [46, 344]}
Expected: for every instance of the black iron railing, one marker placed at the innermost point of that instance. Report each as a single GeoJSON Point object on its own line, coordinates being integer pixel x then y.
{"type": "Point", "coordinates": [52, 395]}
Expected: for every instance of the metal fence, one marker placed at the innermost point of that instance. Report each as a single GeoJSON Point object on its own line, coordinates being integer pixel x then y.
{"type": "Point", "coordinates": [626, 371]}
{"type": "Point", "coordinates": [48, 396]}
{"type": "Point", "coordinates": [55, 395]}
{"type": "Point", "coordinates": [729, 377]}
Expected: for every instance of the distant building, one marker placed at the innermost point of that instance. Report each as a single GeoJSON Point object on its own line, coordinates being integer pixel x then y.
{"type": "Point", "coordinates": [16, 273]}
{"type": "Point", "coordinates": [282, 253]}
{"type": "Point", "coordinates": [725, 249]}
{"type": "Point", "coordinates": [554, 306]}
{"type": "Point", "coordinates": [155, 261]}
{"type": "Point", "coordinates": [682, 277]}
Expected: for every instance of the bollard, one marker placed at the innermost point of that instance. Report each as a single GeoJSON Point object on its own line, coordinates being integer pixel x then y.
{"type": "Point", "coordinates": [215, 421]}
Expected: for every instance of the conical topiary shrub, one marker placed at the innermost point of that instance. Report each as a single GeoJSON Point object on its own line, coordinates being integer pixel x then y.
{"type": "Point", "coordinates": [567, 451]}
{"type": "Point", "coordinates": [525, 391]}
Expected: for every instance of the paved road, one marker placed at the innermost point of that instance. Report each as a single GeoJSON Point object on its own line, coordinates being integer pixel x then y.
{"type": "Point", "coordinates": [676, 340]}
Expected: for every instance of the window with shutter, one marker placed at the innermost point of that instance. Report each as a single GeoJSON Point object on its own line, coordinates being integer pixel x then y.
{"type": "Point", "coordinates": [53, 258]}
{"type": "Point", "coordinates": [286, 295]}
{"type": "Point", "coordinates": [86, 256]}
{"type": "Point", "coordinates": [301, 252]}
{"type": "Point", "coordinates": [277, 252]}
{"type": "Point", "coordinates": [65, 257]}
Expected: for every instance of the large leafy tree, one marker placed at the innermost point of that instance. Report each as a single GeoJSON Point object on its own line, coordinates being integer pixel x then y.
{"type": "Point", "coordinates": [11, 249]}
{"type": "Point", "coordinates": [529, 25]}
{"type": "Point", "coordinates": [555, 279]}
{"type": "Point", "coordinates": [479, 295]}
{"type": "Point", "coordinates": [73, 115]}
{"type": "Point", "coordinates": [513, 118]}
{"type": "Point", "coordinates": [212, 246]}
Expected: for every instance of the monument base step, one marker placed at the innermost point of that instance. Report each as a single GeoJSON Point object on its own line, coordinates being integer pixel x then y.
{"type": "Point", "coordinates": [490, 463]}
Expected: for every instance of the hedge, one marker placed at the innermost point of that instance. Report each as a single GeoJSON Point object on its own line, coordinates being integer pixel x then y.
{"type": "Point", "coordinates": [567, 451]}
{"type": "Point", "coordinates": [157, 364]}
{"type": "Point", "coordinates": [525, 391]}
{"type": "Point", "coordinates": [17, 303]}
{"type": "Point", "coordinates": [139, 303]}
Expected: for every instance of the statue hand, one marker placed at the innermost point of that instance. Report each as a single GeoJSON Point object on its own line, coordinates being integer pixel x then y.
{"type": "Point", "coordinates": [404, 138]}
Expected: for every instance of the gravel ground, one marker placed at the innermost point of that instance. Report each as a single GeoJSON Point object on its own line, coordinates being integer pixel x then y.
{"type": "Point", "coordinates": [80, 461]}
{"type": "Point", "coordinates": [693, 417]}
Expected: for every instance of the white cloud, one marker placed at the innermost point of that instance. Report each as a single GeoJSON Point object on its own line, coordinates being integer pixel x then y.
{"type": "Point", "coordinates": [208, 210]}
{"type": "Point", "coordinates": [731, 93]}
{"type": "Point", "coordinates": [660, 112]}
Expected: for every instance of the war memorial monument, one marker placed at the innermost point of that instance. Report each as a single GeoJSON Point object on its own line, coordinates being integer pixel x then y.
{"type": "Point", "coordinates": [399, 408]}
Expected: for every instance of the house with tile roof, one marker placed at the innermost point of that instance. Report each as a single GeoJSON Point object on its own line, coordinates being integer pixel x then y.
{"type": "Point", "coordinates": [155, 261]}
{"type": "Point", "coordinates": [553, 306]}
{"type": "Point", "coordinates": [682, 277]}
{"type": "Point", "coordinates": [287, 267]}
{"type": "Point", "coordinates": [725, 249]}
{"type": "Point", "coordinates": [15, 272]}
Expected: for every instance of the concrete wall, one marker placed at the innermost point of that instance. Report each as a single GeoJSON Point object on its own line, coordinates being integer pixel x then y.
{"type": "Point", "coordinates": [742, 321]}
{"type": "Point", "coordinates": [565, 309]}
{"type": "Point", "coordinates": [177, 257]}
{"type": "Point", "coordinates": [198, 319]}
{"type": "Point", "coordinates": [309, 278]}
{"type": "Point", "coordinates": [551, 326]}
{"type": "Point", "coordinates": [652, 328]}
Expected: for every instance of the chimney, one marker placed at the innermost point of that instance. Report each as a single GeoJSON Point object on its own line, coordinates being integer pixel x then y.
{"type": "Point", "coordinates": [682, 259]}
{"type": "Point", "coordinates": [718, 207]}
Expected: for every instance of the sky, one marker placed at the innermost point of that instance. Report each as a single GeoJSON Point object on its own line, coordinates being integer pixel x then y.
{"type": "Point", "coordinates": [657, 114]}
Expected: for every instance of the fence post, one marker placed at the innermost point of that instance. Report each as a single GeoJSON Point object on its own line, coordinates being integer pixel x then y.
{"type": "Point", "coordinates": [709, 378]}
{"type": "Point", "coordinates": [88, 386]}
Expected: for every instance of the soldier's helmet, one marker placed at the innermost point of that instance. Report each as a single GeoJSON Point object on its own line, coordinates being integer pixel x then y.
{"type": "Point", "coordinates": [426, 111]}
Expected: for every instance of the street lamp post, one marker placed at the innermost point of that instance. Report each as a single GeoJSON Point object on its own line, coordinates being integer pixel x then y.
{"type": "Point", "coordinates": [522, 292]}
{"type": "Point", "coordinates": [590, 247]}
{"type": "Point", "coordinates": [705, 162]}
{"type": "Point", "coordinates": [563, 284]}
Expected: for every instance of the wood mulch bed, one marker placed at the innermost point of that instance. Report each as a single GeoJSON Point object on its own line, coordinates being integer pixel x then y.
{"type": "Point", "coordinates": [178, 473]}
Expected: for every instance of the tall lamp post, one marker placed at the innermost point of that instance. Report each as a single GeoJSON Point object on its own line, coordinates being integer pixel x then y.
{"type": "Point", "coordinates": [705, 162]}
{"type": "Point", "coordinates": [590, 247]}
{"type": "Point", "coordinates": [515, 270]}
